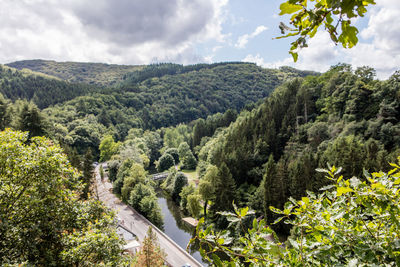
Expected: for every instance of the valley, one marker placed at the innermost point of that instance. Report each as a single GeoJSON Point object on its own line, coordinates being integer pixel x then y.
{"type": "Point", "coordinates": [231, 138]}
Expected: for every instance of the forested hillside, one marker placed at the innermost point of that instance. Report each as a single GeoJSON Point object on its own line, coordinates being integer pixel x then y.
{"type": "Point", "coordinates": [238, 164]}
{"type": "Point", "coordinates": [192, 92]}
{"type": "Point", "coordinates": [78, 72]}
{"type": "Point", "coordinates": [159, 70]}
{"type": "Point", "coordinates": [42, 89]}
{"type": "Point", "coordinates": [209, 118]}
{"type": "Point", "coordinates": [197, 91]}
{"type": "Point", "coordinates": [269, 154]}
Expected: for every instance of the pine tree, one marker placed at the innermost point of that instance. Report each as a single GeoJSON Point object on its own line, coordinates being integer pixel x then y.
{"type": "Point", "coordinates": [199, 131]}
{"type": "Point", "coordinates": [151, 255]}
{"type": "Point", "coordinates": [101, 173]}
{"type": "Point", "coordinates": [268, 182]}
{"type": "Point", "coordinates": [75, 158]}
{"type": "Point", "coordinates": [31, 120]}
{"type": "Point", "coordinates": [225, 189]}
{"type": "Point", "coordinates": [5, 116]}
{"type": "Point", "coordinates": [87, 172]}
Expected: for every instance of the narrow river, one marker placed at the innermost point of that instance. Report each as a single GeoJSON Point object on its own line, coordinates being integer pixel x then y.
{"type": "Point", "coordinates": [174, 227]}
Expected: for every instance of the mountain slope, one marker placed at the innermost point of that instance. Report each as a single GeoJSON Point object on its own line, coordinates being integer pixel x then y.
{"type": "Point", "coordinates": [342, 118]}
{"type": "Point", "coordinates": [155, 96]}
{"type": "Point", "coordinates": [42, 89]}
{"type": "Point", "coordinates": [78, 72]}
{"type": "Point", "coordinates": [169, 94]}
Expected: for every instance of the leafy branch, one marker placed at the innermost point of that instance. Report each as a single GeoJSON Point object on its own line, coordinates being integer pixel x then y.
{"type": "Point", "coordinates": [307, 16]}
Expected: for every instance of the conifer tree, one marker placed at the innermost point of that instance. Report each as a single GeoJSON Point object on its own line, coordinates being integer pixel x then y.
{"type": "Point", "coordinates": [151, 255]}
{"type": "Point", "coordinates": [281, 183]}
{"type": "Point", "coordinates": [31, 119]}
{"type": "Point", "coordinates": [74, 158]}
{"type": "Point", "coordinates": [225, 189]}
{"type": "Point", "coordinates": [101, 173]}
{"type": "Point", "coordinates": [87, 172]}
{"type": "Point", "coordinates": [199, 131]}
{"type": "Point", "coordinates": [5, 116]}
{"type": "Point", "coordinates": [268, 181]}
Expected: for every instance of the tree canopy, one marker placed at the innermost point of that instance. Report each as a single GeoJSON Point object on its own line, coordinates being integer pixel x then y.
{"type": "Point", "coordinates": [353, 222]}
{"type": "Point", "coordinates": [43, 220]}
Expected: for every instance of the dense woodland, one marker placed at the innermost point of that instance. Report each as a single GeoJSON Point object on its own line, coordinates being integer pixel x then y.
{"type": "Point", "coordinates": [252, 153]}
{"type": "Point", "coordinates": [208, 118]}
{"type": "Point", "coordinates": [77, 72]}
{"type": "Point", "coordinates": [193, 92]}
{"type": "Point", "coordinates": [269, 154]}
{"type": "Point", "coordinates": [163, 100]}
{"type": "Point", "coordinates": [43, 90]}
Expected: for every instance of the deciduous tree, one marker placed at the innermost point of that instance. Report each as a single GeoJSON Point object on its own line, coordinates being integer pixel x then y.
{"type": "Point", "coordinates": [336, 16]}
{"type": "Point", "coordinates": [43, 221]}
{"type": "Point", "coordinates": [165, 162]}
{"type": "Point", "coordinates": [107, 148]}
{"type": "Point", "coordinates": [351, 223]}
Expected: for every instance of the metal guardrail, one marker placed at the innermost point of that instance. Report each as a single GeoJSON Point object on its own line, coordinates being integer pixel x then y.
{"type": "Point", "coordinates": [155, 228]}
{"type": "Point", "coordinates": [164, 235]}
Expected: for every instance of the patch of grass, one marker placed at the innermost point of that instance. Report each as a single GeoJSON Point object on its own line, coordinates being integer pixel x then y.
{"type": "Point", "coordinates": [192, 176]}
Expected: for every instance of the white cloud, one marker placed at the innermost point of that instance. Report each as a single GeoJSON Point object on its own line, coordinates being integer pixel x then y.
{"type": "Point", "coordinates": [216, 48]}
{"type": "Point", "coordinates": [209, 59]}
{"type": "Point", "coordinates": [255, 59]}
{"type": "Point", "coordinates": [383, 51]}
{"type": "Point", "coordinates": [114, 31]}
{"type": "Point", "coordinates": [140, 32]}
{"type": "Point", "coordinates": [319, 56]}
{"type": "Point", "coordinates": [260, 61]}
{"type": "Point", "coordinates": [368, 55]}
{"type": "Point", "coordinates": [379, 46]}
{"type": "Point", "coordinates": [235, 20]}
{"type": "Point", "coordinates": [244, 39]}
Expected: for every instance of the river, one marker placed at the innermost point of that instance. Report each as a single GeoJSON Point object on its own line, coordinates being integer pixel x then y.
{"type": "Point", "coordinates": [174, 227]}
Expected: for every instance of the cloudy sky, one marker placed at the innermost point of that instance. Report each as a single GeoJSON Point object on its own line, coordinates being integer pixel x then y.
{"type": "Point", "coordinates": [184, 31]}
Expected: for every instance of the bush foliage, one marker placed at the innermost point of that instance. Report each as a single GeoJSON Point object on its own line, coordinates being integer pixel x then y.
{"type": "Point", "coordinates": [353, 222]}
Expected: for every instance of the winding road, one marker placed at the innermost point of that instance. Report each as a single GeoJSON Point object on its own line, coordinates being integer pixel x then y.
{"type": "Point", "coordinates": [131, 219]}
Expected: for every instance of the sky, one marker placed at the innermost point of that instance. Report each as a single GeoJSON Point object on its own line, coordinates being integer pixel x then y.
{"type": "Point", "coordinates": [136, 32]}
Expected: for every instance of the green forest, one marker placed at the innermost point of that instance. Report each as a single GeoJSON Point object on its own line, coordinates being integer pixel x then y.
{"type": "Point", "coordinates": [252, 165]}
{"type": "Point", "coordinates": [146, 114]}
{"type": "Point", "coordinates": [209, 119]}
{"type": "Point", "coordinates": [77, 72]}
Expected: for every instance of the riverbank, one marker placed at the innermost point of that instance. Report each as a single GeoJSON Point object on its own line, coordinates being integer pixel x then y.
{"type": "Point", "coordinates": [191, 221]}
{"type": "Point", "coordinates": [176, 255]}
{"type": "Point", "coordinates": [174, 226]}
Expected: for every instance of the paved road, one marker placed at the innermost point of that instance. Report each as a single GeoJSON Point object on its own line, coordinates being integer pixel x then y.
{"type": "Point", "coordinates": [176, 256]}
